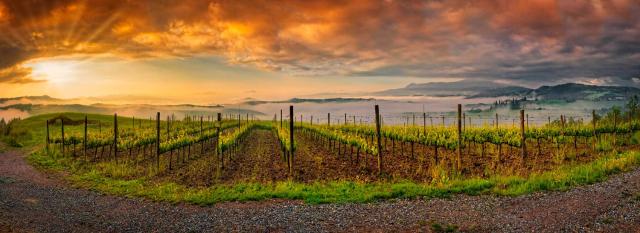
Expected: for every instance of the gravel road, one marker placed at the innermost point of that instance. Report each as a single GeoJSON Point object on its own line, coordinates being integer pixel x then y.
{"type": "Point", "coordinates": [31, 201]}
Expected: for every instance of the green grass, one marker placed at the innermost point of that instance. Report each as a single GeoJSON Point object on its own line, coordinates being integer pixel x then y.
{"type": "Point", "coordinates": [6, 180]}
{"type": "Point", "coordinates": [608, 220]}
{"type": "Point", "coordinates": [437, 227]}
{"type": "Point", "coordinates": [110, 180]}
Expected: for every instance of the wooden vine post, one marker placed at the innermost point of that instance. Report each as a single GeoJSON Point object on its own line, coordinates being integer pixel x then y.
{"type": "Point", "coordinates": [328, 119]}
{"type": "Point", "coordinates": [48, 138]}
{"type": "Point", "coordinates": [62, 132]}
{"type": "Point", "coordinates": [424, 123]}
{"type": "Point", "coordinates": [115, 137]}
{"type": "Point", "coordinates": [464, 121]}
{"type": "Point", "coordinates": [201, 137]}
{"type": "Point", "coordinates": [168, 127]}
{"type": "Point", "coordinates": [345, 119]}
{"type": "Point", "coordinates": [500, 145]}
{"type": "Point", "coordinates": [84, 141]}
{"type": "Point", "coordinates": [280, 118]}
{"type": "Point", "coordinates": [523, 136]}
{"type": "Point", "coordinates": [291, 148]}
{"type": "Point", "coordinates": [378, 136]}
{"type": "Point", "coordinates": [459, 149]}
{"type": "Point", "coordinates": [218, 151]}
{"type": "Point", "coordinates": [169, 122]}
{"type": "Point", "coordinates": [158, 141]}
{"type": "Point", "coordinates": [615, 126]}
{"type": "Point", "coordinates": [593, 121]}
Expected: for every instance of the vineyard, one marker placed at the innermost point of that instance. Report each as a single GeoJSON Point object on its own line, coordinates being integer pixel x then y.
{"type": "Point", "coordinates": [206, 150]}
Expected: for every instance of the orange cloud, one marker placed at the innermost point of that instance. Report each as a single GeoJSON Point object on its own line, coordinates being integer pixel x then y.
{"type": "Point", "coordinates": [450, 38]}
{"type": "Point", "coordinates": [17, 74]}
{"type": "Point", "coordinates": [4, 14]}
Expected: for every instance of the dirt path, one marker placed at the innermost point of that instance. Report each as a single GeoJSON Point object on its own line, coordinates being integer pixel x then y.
{"type": "Point", "coordinates": [259, 160]}
{"type": "Point", "coordinates": [31, 201]}
{"type": "Point", "coordinates": [315, 162]}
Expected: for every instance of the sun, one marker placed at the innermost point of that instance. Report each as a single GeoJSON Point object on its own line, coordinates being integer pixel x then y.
{"type": "Point", "coordinates": [54, 71]}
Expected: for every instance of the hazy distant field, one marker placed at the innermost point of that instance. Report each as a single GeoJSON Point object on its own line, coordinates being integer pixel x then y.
{"type": "Point", "coordinates": [395, 110]}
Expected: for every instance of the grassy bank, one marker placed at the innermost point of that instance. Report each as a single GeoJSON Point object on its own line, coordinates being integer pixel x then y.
{"type": "Point", "coordinates": [562, 178]}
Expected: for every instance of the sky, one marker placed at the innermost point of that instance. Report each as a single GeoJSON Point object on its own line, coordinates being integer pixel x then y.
{"type": "Point", "coordinates": [218, 51]}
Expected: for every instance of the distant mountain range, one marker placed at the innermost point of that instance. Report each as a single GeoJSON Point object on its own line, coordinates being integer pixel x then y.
{"type": "Point", "coordinates": [460, 88]}
{"type": "Point", "coordinates": [481, 89]}
{"type": "Point", "coordinates": [575, 91]}
{"type": "Point", "coordinates": [31, 98]}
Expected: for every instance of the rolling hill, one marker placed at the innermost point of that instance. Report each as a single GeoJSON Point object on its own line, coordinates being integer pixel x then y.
{"type": "Point", "coordinates": [483, 89]}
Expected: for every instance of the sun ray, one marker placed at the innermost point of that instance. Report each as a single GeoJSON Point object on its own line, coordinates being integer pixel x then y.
{"type": "Point", "coordinates": [81, 6]}
{"type": "Point", "coordinates": [104, 26]}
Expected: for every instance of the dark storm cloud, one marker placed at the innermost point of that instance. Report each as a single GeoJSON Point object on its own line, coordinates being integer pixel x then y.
{"type": "Point", "coordinates": [526, 41]}
{"type": "Point", "coordinates": [12, 55]}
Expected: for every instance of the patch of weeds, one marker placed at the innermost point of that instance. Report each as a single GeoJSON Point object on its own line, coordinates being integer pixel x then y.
{"type": "Point", "coordinates": [570, 156]}
{"type": "Point", "coordinates": [17, 136]}
{"type": "Point", "coordinates": [607, 220]}
{"type": "Point", "coordinates": [422, 223]}
{"type": "Point", "coordinates": [439, 228]}
{"type": "Point", "coordinates": [440, 174]}
{"type": "Point", "coordinates": [488, 171]}
{"type": "Point", "coordinates": [560, 156]}
{"type": "Point", "coordinates": [635, 138]}
{"type": "Point", "coordinates": [604, 145]}
{"type": "Point", "coordinates": [6, 180]}
{"type": "Point", "coordinates": [637, 197]}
